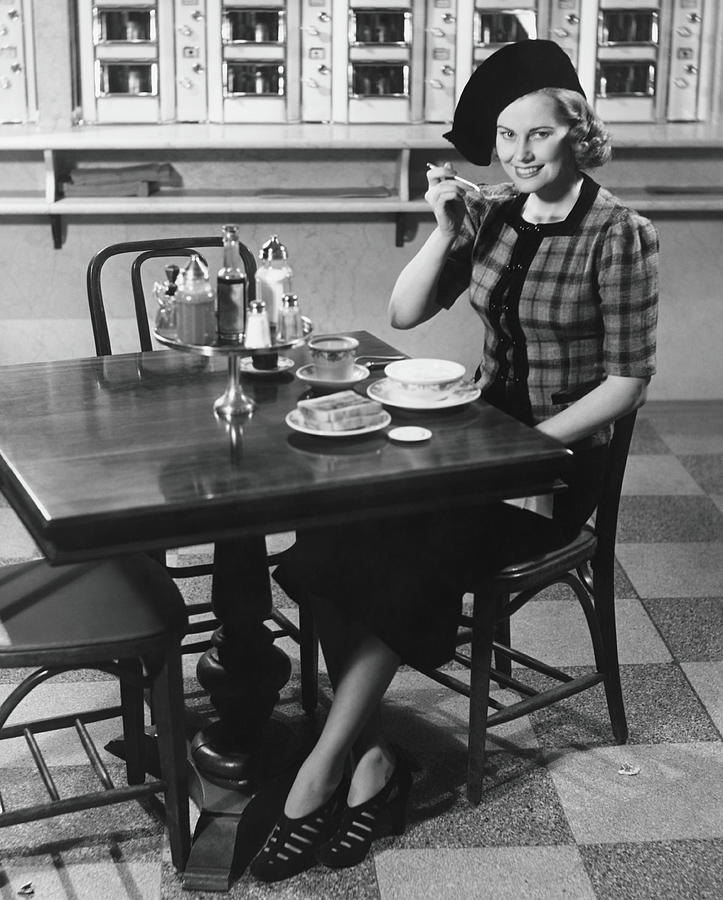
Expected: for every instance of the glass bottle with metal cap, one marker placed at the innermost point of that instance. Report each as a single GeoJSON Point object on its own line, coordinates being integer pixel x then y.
{"type": "Point", "coordinates": [231, 286]}
{"type": "Point", "coordinates": [273, 278]}
{"type": "Point", "coordinates": [195, 305]}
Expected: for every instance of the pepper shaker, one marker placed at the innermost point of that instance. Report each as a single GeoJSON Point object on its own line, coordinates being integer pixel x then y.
{"type": "Point", "coordinates": [290, 325]}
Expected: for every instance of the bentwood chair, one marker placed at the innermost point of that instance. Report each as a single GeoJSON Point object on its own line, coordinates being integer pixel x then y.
{"type": "Point", "coordinates": [125, 618]}
{"type": "Point", "coordinates": [586, 565]}
{"type": "Point", "coordinates": [168, 249]}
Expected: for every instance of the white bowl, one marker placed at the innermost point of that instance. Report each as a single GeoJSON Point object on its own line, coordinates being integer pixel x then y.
{"type": "Point", "coordinates": [424, 379]}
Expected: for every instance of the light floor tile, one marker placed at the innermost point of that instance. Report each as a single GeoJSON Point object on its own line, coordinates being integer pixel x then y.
{"type": "Point", "coordinates": [678, 793]}
{"type": "Point", "coordinates": [556, 632]}
{"type": "Point", "coordinates": [109, 881]}
{"type": "Point", "coordinates": [199, 550]}
{"type": "Point", "coordinates": [275, 543]}
{"type": "Point", "coordinates": [517, 873]}
{"type": "Point", "coordinates": [658, 474]}
{"type": "Point", "coordinates": [15, 541]}
{"type": "Point", "coordinates": [673, 570]}
{"type": "Point", "coordinates": [707, 680]}
{"type": "Point", "coordinates": [56, 698]}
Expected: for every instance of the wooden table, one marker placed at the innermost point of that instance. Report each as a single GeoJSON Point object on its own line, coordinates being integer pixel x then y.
{"type": "Point", "coordinates": [104, 456]}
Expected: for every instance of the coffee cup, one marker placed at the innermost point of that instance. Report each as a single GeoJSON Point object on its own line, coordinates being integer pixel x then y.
{"type": "Point", "coordinates": [332, 356]}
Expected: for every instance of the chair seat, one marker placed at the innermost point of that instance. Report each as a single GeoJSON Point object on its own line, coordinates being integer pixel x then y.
{"type": "Point", "coordinates": [580, 549]}
{"type": "Point", "coordinates": [90, 611]}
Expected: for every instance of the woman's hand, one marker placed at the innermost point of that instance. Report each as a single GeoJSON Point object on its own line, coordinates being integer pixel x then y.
{"type": "Point", "coordinates": [446, 197]}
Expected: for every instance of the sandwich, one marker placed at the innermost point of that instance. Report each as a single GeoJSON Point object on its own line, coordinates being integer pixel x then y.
{"type": "Point", "coordinates": [342, 411]}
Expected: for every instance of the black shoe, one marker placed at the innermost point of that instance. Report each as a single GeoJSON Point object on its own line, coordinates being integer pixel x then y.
{"type": "Point", "coordinates": [292, 845]}
{"type": "Point", "coordinates": [383, 814]}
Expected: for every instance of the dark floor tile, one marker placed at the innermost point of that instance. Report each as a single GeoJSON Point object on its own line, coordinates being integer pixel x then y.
{"type": "Point", "coordinates": [692, 628]}
{"type": "Point", "coordinates": [279, 598]}
{"type": "Point", "coordinates": [519, 803]}
{"type": "Point", "coordinates": [646, 439]}
{"type": "Point", "coordinates": [623, 585]}
{"type": "Point", "coordinates": [90, 832]}
{"type": "Point", "coordinates": [676, 519]}
{"type": "Point", "coordinates": [660, 870]}
{"type": "Point", "coordinates": [14, 676]}
{"type": "Point", "coordinates": [707, 469]}
{"type": "Point", "coordinates": [660, 705]}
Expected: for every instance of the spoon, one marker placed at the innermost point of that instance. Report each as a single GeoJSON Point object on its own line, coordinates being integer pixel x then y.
{"type": "Point", "coordinates": [469, 184]}
{"type": "Point", "coordinates": [376, 362]}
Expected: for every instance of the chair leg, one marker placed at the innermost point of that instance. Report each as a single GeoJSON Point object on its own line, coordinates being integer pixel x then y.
{"type": "Point", "coordinates": [613, 687]}
{"type": "Point", "coordinates": [131, 693]}
{"type": "Point", "coordinates": [502, 636]}
{"type": "Point", "coordinates": [309, 652]}
{"type": "Point", "coordinates": [169, 707]}
{"type": "Point", "coordinates": [485, 605]}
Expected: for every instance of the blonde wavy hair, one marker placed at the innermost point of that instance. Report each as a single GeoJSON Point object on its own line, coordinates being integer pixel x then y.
{"type": "Point", "coordinates": [588, 137]}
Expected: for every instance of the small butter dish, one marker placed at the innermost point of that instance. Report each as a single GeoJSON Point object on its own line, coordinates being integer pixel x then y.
{"type": "Point", "coordinates": [409, 434]}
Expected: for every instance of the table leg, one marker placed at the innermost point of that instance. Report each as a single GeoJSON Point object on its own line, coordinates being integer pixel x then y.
{"type": "Point", "coordinates": [246, 750]}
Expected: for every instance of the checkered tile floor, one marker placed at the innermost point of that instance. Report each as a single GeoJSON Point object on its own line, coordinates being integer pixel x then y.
{"type": "Point", "coordinates": [557, 818]}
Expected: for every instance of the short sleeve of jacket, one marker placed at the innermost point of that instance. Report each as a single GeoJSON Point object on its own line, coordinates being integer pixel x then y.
{"type": "Point", "coordinates": [628, 287]}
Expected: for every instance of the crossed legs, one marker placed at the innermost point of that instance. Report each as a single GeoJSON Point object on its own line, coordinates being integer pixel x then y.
{"type": "Point", "coordinates": [360, 668]}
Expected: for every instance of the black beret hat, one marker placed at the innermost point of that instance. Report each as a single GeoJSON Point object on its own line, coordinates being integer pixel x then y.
{"type": "Point", "coordinates": [510, 73]}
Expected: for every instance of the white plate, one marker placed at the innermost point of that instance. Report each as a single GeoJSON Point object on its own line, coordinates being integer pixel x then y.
{"type": "Point", "coordinates": [294, 420]}
{"type": "Point", "coordinates": [409, 434]}
{"type": "Point", "coordinates": [380, 390]}
{"type": "Point", "coordinates": [308, 374]}
{"type": "Point", "coordinates": [248, 368]}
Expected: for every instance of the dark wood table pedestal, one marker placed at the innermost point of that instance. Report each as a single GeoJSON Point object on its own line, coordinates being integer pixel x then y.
{"type": "Point", "coordinates": [244, 759]}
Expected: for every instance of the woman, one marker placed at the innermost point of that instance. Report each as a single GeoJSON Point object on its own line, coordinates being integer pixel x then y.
{"type": "Point", "coordinates": [564, 279]}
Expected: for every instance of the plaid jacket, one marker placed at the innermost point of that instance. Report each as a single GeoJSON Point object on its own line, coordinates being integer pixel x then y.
{"type": "Point", "coordinates": [585, 308]}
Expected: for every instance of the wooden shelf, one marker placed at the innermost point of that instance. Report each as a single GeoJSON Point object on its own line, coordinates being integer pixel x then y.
{"type": "Point", "coordinates": [403, 146]}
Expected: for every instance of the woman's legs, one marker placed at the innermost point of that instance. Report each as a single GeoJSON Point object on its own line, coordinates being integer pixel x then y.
{"type": "Point", "coordinates": [360, 666]}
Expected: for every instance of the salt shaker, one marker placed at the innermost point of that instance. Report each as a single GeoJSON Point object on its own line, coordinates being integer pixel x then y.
{"type": "Point", "coordinates": [290, 326]}
{"type": "Point", "coordinates": [273, 277]}
{"type": "Point", "coordinates": [258, 332]}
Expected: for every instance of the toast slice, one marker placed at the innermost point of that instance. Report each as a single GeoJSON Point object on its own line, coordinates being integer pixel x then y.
{"type": "Point", "coordinates": [342, 411]}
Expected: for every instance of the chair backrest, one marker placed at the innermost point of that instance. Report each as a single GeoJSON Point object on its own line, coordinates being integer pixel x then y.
{"type": "Point", "coordinates": [144, 250]}
{"type": "Point", "coordinates": [606, 517]}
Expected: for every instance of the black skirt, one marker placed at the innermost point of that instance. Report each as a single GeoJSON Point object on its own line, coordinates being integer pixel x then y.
{"type": "Point", "coordinates": [404, 577]}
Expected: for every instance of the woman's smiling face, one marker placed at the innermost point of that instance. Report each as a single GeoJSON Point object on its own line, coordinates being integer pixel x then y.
{"type": "Point", "coordinates": [533, 148]}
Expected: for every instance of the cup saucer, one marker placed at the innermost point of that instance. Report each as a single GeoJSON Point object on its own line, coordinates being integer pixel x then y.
{"type": "Point", "coordinates": [308, 374]}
